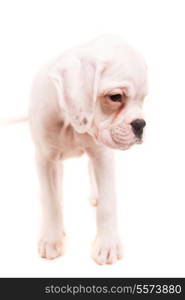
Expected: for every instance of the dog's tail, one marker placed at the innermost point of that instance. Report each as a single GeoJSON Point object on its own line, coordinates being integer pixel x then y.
{"type": "Point", "coordinates": [9, 121]}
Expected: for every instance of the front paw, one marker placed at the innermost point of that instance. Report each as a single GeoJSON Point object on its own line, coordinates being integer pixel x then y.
{"type": "Point", "coordinates": [51, 246]}
{"type": "Point", "coordinates": [107, 249]}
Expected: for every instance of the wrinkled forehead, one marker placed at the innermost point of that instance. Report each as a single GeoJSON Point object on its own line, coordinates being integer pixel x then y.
{"type": "Point", "coordinates": [129, 73]}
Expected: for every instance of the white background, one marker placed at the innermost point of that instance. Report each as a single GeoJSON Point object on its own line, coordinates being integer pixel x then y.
{"type": "Point", "coordinates": [150, 178]}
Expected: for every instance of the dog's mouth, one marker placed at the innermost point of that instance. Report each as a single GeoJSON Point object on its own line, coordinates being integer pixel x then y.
{"type": "Point", "coordinates": [114, 140]}
{"type": "Point", "coordinates": [117, 137]}
{"type": "Point", "coordinates": [123, 137]}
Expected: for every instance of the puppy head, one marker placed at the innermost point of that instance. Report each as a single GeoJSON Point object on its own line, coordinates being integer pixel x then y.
{"type": "Point", "coordinates": [101, 88]}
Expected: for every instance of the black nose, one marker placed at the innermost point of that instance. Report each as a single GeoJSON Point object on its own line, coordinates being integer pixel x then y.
{"type": "Point", "coordinates": [137, 126]}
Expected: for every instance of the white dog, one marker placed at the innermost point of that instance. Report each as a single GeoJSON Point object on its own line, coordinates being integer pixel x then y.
{"type": "Point", "coordinates": [89, 100]}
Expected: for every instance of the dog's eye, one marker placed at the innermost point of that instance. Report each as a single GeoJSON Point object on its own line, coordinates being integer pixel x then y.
{"type": "Point", "coordinates": [116, 97]}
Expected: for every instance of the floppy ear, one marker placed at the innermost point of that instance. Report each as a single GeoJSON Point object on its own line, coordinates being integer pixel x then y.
{"type": "Point", "coordinates": [76, 81]}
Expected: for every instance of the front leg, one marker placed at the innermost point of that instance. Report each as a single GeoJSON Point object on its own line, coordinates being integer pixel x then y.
{"type": "Point", "coordinates": [107, 248]}
{"type": "Point", "coordinates": [51, 243]}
